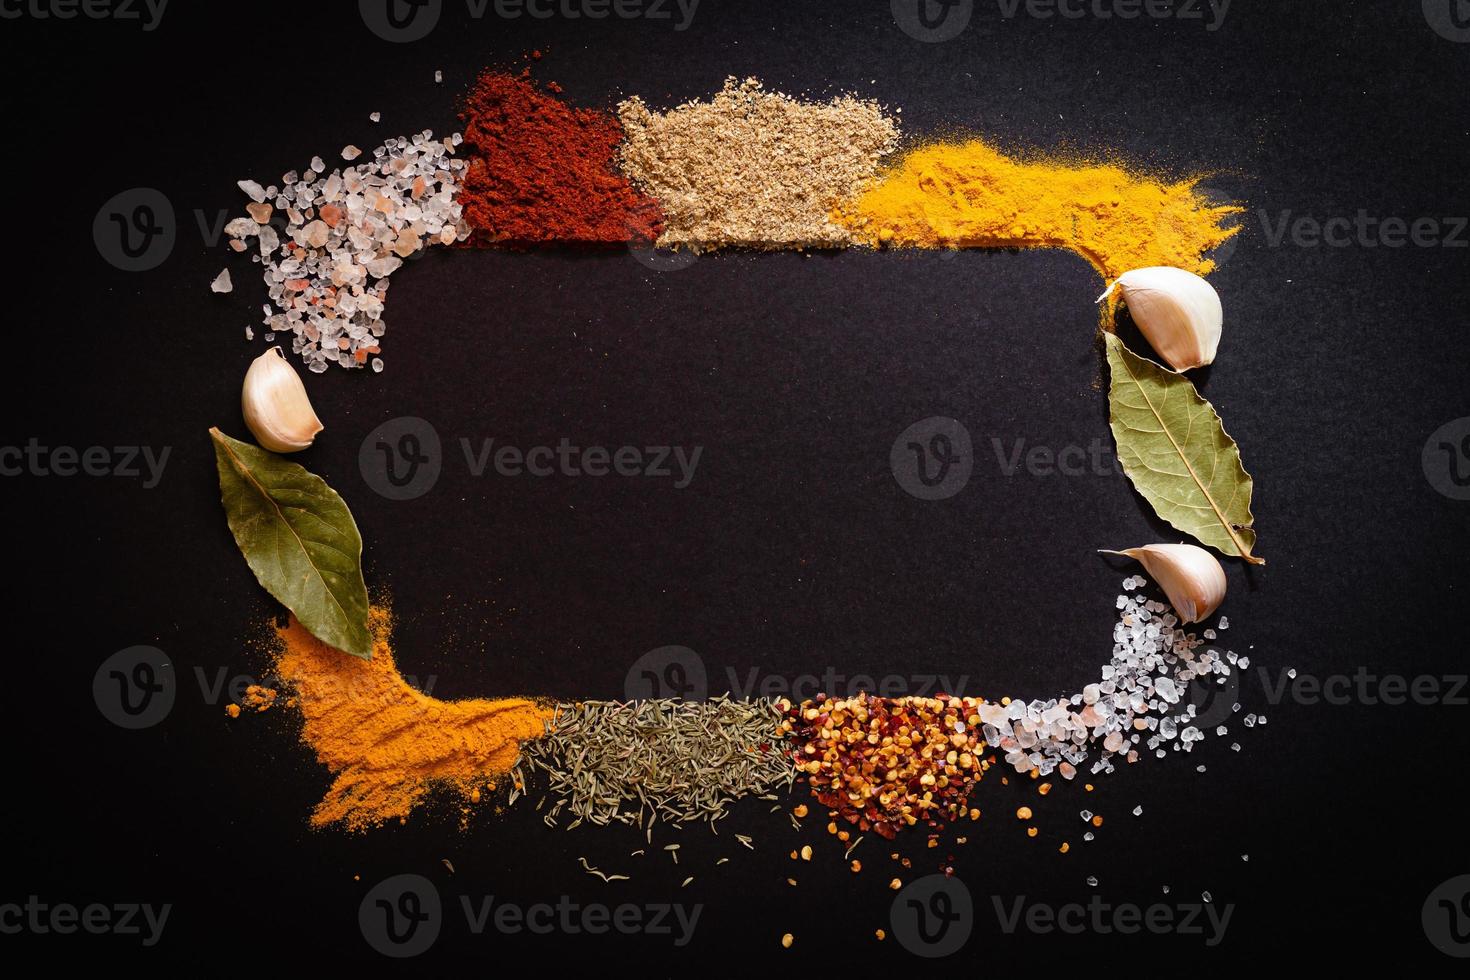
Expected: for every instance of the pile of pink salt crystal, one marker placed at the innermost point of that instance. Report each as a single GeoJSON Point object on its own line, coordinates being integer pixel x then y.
{"type": "Point", "coordinates": [327, 242]}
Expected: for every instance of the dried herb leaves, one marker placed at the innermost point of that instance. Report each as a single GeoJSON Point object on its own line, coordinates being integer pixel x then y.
{"type": "Point", "coordinates": [299, 539]}
{"type": "Point", "coordinates": [1178, 455]}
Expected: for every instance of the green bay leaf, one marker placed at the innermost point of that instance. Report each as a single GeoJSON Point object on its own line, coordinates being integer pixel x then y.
{"type": "Point", "coordinates": [299, 539]}
{"type": "Point", "coordinates": [1178, 455]}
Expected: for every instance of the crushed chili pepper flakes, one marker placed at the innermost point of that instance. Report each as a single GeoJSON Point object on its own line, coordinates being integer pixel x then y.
{"type": "Point", "coordinates": [888, 763]}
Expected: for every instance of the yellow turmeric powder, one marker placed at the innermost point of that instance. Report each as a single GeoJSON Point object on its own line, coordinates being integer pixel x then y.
{"type": "Point", "coordinates": [970, 195]}
{"type": "Point", "coordinates": [386, 743]}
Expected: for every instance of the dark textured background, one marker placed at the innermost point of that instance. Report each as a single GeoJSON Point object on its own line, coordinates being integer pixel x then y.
{"type": "Point", "coordinates": [794, 549]}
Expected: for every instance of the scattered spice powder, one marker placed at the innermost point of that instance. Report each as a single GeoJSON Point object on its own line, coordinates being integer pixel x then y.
{"type": "Point", "coordinates": [971, 195]}
{"type": "Point", "coordinates": [541, 171]}
{"type": "Point", "coordinates": [386, 743]}
{"type": "Point", "coordinates": [753, 168]}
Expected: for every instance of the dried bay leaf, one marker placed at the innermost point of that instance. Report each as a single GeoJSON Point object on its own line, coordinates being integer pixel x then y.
{"type": "Point", "coordinates": [1178, 455]}
{"type": "Point", "coordinates": [299, 539]}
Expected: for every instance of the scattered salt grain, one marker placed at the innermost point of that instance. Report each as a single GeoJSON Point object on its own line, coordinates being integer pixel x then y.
{"type": "Point", "coordinates": [1092, 881]}
{"type": "Point", "coordinates": [350, 152]}
{"type": "Point", "coordinates": [326, 270]}
{"type": "Point", "coordinates": [438, 77]}
{"type": "Point", "coordinates": [253, 189]}
{"type": "Point", "coordinates": [1140, 705]}
{"type": "Point", "coordinates": [1138, 810]}
{"type": "Point", "coordinates": [222, 282]}
{"type": "Point", "coordinates": [249, 334]}
{"type": "Point", "coordinates": [1206, 896]}
{"type": "Point", "coordinates": [375, 116]}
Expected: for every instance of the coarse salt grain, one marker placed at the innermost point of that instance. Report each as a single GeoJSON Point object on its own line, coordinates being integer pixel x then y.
{"type": "Point", "coordinates": [1144, 688]}
{"type": "Point", "coordinates": [326, 273]}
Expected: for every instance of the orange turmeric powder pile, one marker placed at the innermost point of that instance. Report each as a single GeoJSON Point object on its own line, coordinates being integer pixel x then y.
{"type": "Point", "coordinates": [968, 194]}
{"type": "Point", "coordinates": [386, 743]}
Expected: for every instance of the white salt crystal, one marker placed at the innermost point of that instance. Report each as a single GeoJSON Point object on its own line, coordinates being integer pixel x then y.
{"type": "Point", "coordinates": [350, 152]}
{"type": "Point", "coordinates": [250, 187]}
{"type": "Point", "coordinates": [222, 282]}
{"type": "Point", "coordinates": [242, 228]}
{"type": "Point", "coordinates": [375, 116]}
{"type": "Point", "coordinates": [1138, 810]}
{"type": "Point", "coordinates": [438, 77]}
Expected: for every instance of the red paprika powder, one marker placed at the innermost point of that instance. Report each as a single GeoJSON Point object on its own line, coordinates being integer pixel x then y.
{"type": "Point", "coordinates": [542, 171]}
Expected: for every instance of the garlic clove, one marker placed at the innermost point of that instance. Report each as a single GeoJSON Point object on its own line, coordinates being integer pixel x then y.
{"type": "Point", "coordinates": [1177, 311]}
{"type": "Point", "coordinates": [1189, 575]}
{"type": "Point", "coordinates": [275, 405]}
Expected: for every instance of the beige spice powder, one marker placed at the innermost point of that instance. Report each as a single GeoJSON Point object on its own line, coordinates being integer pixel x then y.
{"type": "Point", "coordinates": [753, 168]}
